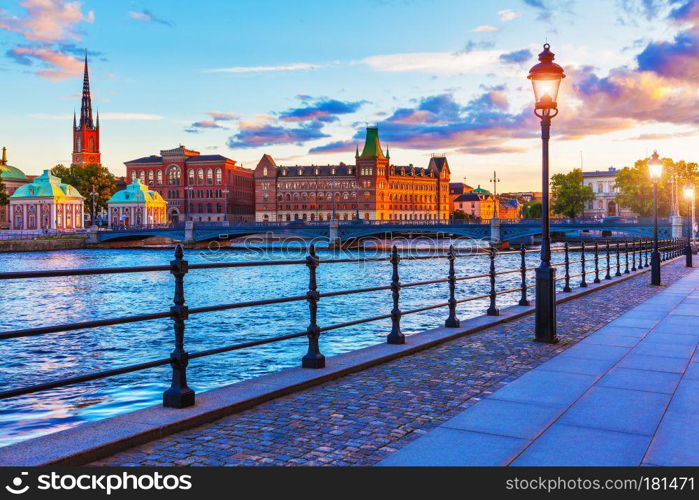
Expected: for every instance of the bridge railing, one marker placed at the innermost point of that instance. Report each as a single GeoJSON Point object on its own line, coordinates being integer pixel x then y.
{"type": "Point", "coordinates": [617, 258]}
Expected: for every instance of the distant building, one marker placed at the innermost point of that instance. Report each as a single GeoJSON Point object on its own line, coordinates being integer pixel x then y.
{"type": "Point", "coordinates": [13, 178]}
{"type": "Point", "coordinates": [136, 206]}
{"type": "Point", "coordinates": [524, 196]}
{"type": "Point", "coordinates": [373, 188]}
{"type": "Point", "coordinates": [86, 133]}
{"type": "Point", "coordinates": [456, 189]}
{"type": "Point", "coordinates": [602, 184]}
{"type": "Point", "coordinates": [481, 204]}
{"type": "Point", "coordinates": [197, 187]}
{"type": "Point", "coordinates": [46, 203]}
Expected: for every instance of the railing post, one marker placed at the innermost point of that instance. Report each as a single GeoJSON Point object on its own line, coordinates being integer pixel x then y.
{"type": "Point", "coordinates": [313, 358]}
{"type": "Point", "coordinates": [583, 283]}
{"type": "Point", "coordinates": [452, 321]}
{"type": "Point", "coordinates": [179, 395]}
{"type": "Point", "coordinates": [626, 256]}
{"type": "Point", "coordinates": [396, 336]}
{"type": "Point", "coordinates": [633, 254]}
{"type": "Point", "coordinates": [492, 310]}
{"type": "Point", "coordinates": [608, 276]}
{"type": "Point", "coordinates": [566, 286]}
{"type": "Point", "coordinates": [618, 259]}
{"type": "Point", "coordinates": [596, 280]}
{"type": "Point", "coordinates": [646, 248]}
{"type": "Point", "coordinates": [688, 250]}
{"type": "Point", "coordinates": [523, 301]}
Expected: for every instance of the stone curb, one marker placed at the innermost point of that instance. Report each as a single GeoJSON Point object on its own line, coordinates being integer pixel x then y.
{"type": "Point", "coordinates": [91, 441]}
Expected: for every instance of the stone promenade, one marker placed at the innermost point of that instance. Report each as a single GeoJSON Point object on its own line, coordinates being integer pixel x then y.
{"type": "Point", "coordinates": [375, 414]}
{"type": "Point", "coordinates": [627, 395]}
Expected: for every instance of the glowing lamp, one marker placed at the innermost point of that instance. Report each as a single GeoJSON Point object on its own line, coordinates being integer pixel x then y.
{"type": "Point", "coordinates": [546, 79]}
{"type": "Point", "coordinates": [655, 167]}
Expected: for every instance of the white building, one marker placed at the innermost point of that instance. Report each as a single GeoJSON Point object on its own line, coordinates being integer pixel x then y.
{"type": "Point", "coordinates": [136, 206]}
{"type": "Point", "coordinates": [46, 203]}
{"type": "Point", "coordinates": [602, 184]}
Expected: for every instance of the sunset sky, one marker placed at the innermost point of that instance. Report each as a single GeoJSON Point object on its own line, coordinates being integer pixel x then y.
{"type": "Point", "coordinates": [300, 79]}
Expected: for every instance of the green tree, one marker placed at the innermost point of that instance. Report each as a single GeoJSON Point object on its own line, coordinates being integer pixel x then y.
{"type": "Point", "coordinates": [84, 178]}
{"type": "Point", "coordinates": [570, 194]}
{"type": "Point", "coordinates": [459, 214]}
{"type": "Point", "coordinates": [531, 210]}
{"type": "Point", "coordinates": [4, 198]}
{"type": "Point", "coordinates": [635, 188]}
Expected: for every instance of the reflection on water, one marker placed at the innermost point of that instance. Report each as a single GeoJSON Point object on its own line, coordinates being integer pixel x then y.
{"type": "Point", "coordinates": [47, 301]}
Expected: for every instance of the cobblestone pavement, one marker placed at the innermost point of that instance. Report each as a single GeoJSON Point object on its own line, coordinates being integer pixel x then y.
{"type": "Point", "coordinates": [361, 418]}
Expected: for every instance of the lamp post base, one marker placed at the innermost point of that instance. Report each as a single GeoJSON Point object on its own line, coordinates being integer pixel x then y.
{"type": "Point", "coordinates": [545, 322]}
{"type": "Point", "coordinates": [655, 268]}
{"type": "Point", "coordinates": [688, 253]}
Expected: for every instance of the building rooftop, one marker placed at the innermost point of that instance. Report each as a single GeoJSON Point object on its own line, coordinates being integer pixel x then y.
{"type": "Point", "coordinates": [601, 173]}
{"type": "Point", "coordinates": [46, 186]}
{"type": "Point", "coordinates": [136, 193]}
{"type": "Point", "coordinates": [10, 173]}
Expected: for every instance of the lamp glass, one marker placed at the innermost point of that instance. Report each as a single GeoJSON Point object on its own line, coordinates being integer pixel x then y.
{"type": "Point", "coordinates": [689, 192]}
{"type": "Point", "coordinates": [546, 87]}
{"type": "Point", "coordinates": [655, 169]}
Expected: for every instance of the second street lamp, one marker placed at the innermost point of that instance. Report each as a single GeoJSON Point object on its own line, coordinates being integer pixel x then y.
{"type": "Point", "coordinates": [546, 79]}
{"type": "Point", "coordinates": [655, 170]}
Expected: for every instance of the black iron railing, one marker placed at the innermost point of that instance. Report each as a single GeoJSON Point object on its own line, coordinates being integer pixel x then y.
{"type": "Point", "coordinates": [180, 395]}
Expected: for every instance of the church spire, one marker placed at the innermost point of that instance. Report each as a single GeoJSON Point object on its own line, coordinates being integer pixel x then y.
{"type": "Point", "coordinates": [4, 156]}
{"type": "Point", "coordinates": [86, 106]}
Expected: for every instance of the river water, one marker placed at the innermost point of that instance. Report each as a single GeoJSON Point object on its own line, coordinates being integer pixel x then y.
{"type": "Point", "coordinates": [36, 302]}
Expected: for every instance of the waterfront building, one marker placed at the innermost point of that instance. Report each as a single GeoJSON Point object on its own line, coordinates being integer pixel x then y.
{"type": "Point", "coordinates": [456, 189]}
{"type": "Point", "coordinates": [480, 204]}
{"type": "Point", "coordinates": [604, 205]}
{"type": "Point", "coordinates": [46, 203]}
{"type": "Point", "coordinates": [86, 132]}
{"type": "Point", "coordinates": [12, 178]}
{"type": "Point", "coordinates": [372, 188]}
{"type": "Point", "coordinates": [197, 187]}
{"type": "Point", "coordinates": [136, 206]}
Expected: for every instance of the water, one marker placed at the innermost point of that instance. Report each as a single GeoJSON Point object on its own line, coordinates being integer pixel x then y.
{"type": "Point", "coordinates": [48, 301]}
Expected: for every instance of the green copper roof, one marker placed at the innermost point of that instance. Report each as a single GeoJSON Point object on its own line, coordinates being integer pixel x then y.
{"type": "Point", "coordinates": [372, 146]}
{"type": "Point", "coordinates": [8, 172]}
{"type": "Point", "coordinates": [46, 186]}
{"type": "Point", "coordinates": [136, 193]}
{"type": "Point", "coordinates": [480, 190]}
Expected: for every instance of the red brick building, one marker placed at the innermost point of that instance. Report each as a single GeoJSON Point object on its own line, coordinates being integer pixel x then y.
{"type": "Point", "coordinates": [372, 188]}
{"type": "Point", "coordinates": [86, 133]}
{"type": "Point", "coordinates": [207, 188]}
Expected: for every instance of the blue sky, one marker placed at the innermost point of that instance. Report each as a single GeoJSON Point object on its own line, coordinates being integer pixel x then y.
{"type": "Point", "coordinates": [300, 80]}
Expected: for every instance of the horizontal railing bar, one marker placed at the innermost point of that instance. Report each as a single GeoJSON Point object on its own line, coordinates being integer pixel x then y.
{"type": "Point", "coordinates": [240, 305]}
{"type": "Point", "coordinates": [243, 345]}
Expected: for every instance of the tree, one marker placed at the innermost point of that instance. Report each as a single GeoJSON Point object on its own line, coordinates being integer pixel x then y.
{"type": "Point", "coordinates": [569, 193]}
{"type": "Point", "coordinates": [83, 178]}
{"type": "Point", "coordinates": [4, 198]}
{"type": "Point", "coordinates": [635, 188]}
{"type": "Point", "coordinates": [459, 214]}
{"type": "Point", "coordinates": [532, 210]}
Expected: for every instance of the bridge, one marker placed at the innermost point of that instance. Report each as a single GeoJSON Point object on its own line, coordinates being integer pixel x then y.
{"type": "Point", "coordinates": [347, 232]}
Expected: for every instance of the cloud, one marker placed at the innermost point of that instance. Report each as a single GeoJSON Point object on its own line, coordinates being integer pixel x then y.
{"type": "Point", "coordinates": [449, 63]}
{"type": "Point", "coordinates": [223, 116]}
{"type": "Point", "coordinates": [516, 57]}
{"type": "Point", "coordinates": [538, 4]}
{"type": "Point", "coordinates": [334, 147]}
{"type": "Point", "coordinates": [253, 134]}
{"type": "Point", "coordinates": [103, 116]}
{"type": "Point", "coordinates": [47, 20]}
{"type": "Point", "coordinates": [508, 15]}
{"type": "Point", "coordinates": [485, 29]}
{"type": "Point", "coordinates": [264, 69]}
{"type": "Point", "coordinates": [57, 65]}
{"type": "Point", "coordinates": [323, 109]}
{"type": "Point", "coordinates": [214, 122]}
{"type": "Point", "coordinates": [662, 136]}
{"type": "Point", "coordinates": [147, 16]}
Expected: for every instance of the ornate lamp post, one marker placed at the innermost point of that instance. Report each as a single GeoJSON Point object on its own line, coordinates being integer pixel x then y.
{"type": "Point", "coordinates": [94, 195]}
{"type": "Point", "coordinates": [546, 79]}
{"type": "Point", "coordinates": [689, 194]}
{"type": "Point", "coordinates": [188, 201]}
{"type": "Point", "coordinates": [655, 170]}
{"type": "Point", "coordinates": [225, 204]}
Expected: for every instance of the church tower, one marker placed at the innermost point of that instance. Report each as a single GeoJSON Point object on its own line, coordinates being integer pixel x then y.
{"type": "Point", "coordinates": [86, 133]}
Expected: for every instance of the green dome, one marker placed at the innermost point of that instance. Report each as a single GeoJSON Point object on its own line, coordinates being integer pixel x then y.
{"type": "Point", "coordinates": [10, 173]}
{"type": "Point", "coordinates": [480, 190]}
{"type": "Point", "coordinates": [46, 186]}
{"type": "Point", "coordinates": [136, 193]}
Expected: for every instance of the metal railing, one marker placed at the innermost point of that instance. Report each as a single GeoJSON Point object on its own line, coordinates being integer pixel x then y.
{"type": "Point", "coordinates": [628, 257]}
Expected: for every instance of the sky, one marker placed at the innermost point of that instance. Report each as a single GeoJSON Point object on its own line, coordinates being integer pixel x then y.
{"type": "Point", "coordinates": [301, 79]}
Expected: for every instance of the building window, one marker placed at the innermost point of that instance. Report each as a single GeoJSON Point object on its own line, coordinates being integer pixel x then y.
{"type": "Point", "coordinates": [159, 177]}
{"type": "Point", "coordinates": [219, 176]}
{"type": "Point", "coordinates": [200, 176]}
{"type": "Point", "coordinates": [209, 176]}
{"type": "Point", "coordinates": [173, 175]}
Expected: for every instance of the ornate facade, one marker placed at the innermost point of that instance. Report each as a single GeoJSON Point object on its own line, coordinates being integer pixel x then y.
{"type": "Point", "coordinates": [46, 204]}
{"type": "Point", "coordinates": [206, 188]}
{"type": "Point", "coordinates": [86, 133]}
{"type": "Point", "coordinates": [371, 189]}
{"type": "Point", "coordinates": [136, 206]}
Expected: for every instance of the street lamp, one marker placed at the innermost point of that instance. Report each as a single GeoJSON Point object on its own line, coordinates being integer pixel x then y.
{"type": "Point", "coordinates": [93, 194]}
{"type": "Point", "coordinates": [188, 201]}
{"type": "Point", "coordinates": [689, 194]}
{"type": "Point", "coordinates": [546, 79]}
{"type": "Point", "coordinates": [655, 170]}
{"type": "Point", "coordinates": [225, 204]}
